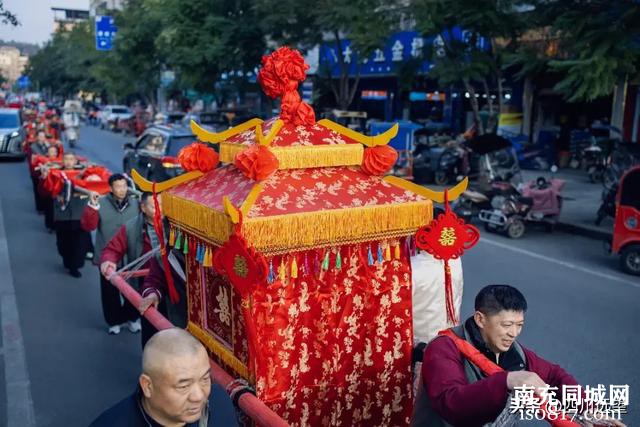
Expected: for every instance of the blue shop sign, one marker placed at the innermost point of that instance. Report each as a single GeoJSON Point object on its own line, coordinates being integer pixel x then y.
{"type": "Point", "coordinates": [400, 47]}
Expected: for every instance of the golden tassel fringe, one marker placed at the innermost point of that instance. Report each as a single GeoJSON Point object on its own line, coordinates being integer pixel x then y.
{"type": "Point", "coordinates": [300, 157]}
{"type": "Point", "coordinates": [273, 234]}
{"type": "Point", "coordinates": [219, 350]}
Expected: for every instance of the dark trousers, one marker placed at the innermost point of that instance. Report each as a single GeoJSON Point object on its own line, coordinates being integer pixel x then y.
{"type": "Point", "coordinates": [116, 310]}
{"type": "Point", "coordinates": [72, 242]}
{"type": "Point", "coordinates": [47, 203]}
{"type": "Point", "coordinates": [37, 198]}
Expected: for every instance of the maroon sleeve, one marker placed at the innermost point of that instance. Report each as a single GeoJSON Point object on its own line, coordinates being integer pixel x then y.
{"type": "Point", "coordinates": [550, 373]}
{"type": "Point", "coordinates": [451, 395]}
{"type": "Point", "coordinates": [154, 282]}
{"type": "Point", "coordinates": [116, 248]}
{"type": "Point", "coordinates": [89, 219]}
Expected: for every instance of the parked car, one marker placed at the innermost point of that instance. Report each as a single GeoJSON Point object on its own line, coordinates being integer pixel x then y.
{"type": "Point", "coordinates": [12, 134]}
{"type": "Point", "coordinates": [211, 120]}
{"type": "Point", "coordinates": [110, 114]}
{"type": "Point", "coordinates": [155, 153]}
{"type": "Point", "coordinates": [175, 117]}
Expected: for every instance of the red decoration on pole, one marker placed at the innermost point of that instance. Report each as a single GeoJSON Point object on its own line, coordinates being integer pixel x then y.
{"type": "Point", "coordinates": [446, 238]}
{"type": "Point", "coordinates": [279, 77]}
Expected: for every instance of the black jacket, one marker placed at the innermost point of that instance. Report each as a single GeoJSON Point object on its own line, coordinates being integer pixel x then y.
{"type": "Point", "coordinates": [129, 412]}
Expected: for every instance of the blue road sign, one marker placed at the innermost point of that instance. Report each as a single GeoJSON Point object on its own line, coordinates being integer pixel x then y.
{"type": "Point", "coordinates": [24, 82]}
{"type": "Point", "coordinates": [105, 32]}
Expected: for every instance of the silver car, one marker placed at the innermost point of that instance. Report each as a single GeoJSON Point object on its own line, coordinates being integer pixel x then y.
{"type": "Point", "coordinates": [11, 134]}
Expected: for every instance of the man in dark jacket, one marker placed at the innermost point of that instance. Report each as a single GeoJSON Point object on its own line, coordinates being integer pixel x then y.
{"type": "Point", "coordinates": [72, 241]}
{"type": "Point", "coordinates": [174, 388]}
{"type": "Point", "coordinates": [458, 392]}
{"type": "Point", "coordinates": [132, 240]}
{"type": "Point", "coordinates": [107, 214]}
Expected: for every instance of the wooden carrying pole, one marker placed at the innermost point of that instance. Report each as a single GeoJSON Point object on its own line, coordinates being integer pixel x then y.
{"type": "Point", "coordinates": [253, 407]}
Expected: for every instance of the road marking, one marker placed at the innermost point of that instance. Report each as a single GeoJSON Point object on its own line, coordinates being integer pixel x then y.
{"type": "Point", "coordinates": [18, 387]}
{"type": "Point", "coordinates": [570, 265]}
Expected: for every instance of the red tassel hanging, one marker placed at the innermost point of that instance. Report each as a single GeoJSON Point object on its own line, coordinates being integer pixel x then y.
{"type": "Point", "coordinates": [452, 317]}
{"type": "Point", "coordinates": [157, 224]}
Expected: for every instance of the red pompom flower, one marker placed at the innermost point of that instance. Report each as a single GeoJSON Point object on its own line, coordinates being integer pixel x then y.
{"type": "Point", "coordinates": [257, 162]}
{"type": "Point", "coordinates": [198, 156]}
{"type": "Point", "coordinates": [378, 160]}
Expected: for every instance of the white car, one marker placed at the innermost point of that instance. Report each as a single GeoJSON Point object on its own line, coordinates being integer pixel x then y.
{"type": "Point", "coordinates": [110, 115]}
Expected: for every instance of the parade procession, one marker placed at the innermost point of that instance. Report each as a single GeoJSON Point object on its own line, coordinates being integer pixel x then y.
{"type": "Point", "coordinates": [250, 258]}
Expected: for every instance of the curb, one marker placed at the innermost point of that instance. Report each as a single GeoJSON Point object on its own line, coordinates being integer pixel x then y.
{"type": "Point", "coordinates": [584, 231]}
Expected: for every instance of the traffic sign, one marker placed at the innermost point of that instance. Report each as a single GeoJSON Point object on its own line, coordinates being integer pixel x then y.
{"type": "Point", "coordinates": [105, 32]}
{"type": "Point", "coordinates": [23, 82]}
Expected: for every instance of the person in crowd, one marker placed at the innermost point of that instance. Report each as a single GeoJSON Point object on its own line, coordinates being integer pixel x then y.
{"type": "Point", "coordinates": [457, 391]}
{"type": "Point", "coordinates": [174, 388]}
{"type": "Point", "coordinates": [39, 147]}
{"type": "Point", "coordinates": [106, 215]}
{"type": "Point", "coordinates": [155, 289]}
{"type": "Point", "coordinates": [71, 240]}
{"type": "Point", "coordinates": [53, 154]}
{"type": "Point", "coordinates": [132, 240]}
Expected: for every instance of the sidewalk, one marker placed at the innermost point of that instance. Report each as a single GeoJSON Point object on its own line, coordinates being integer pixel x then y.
{"type": "Point", "coordinates": [582, 199]}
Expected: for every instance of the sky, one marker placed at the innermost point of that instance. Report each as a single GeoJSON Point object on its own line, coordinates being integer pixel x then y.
{"type": "Point", "coordinates": [36, 18]}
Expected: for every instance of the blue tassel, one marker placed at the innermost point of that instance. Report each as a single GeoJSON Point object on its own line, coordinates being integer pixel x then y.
{"type": "Point", "coordinates": [370, 256]}
{"type": "Point", "coordinates": [200, 253]}
{"type": "Point", "coordinates": [380, 256]}
{"type": "Point", "coordinates": [272, 275]}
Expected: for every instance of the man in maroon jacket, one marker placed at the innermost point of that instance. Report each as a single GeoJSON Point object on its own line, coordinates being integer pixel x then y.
{"type": "Point", "coordinates": [132, 240]}
{"type": "Point", "coordinates": [458, 393]}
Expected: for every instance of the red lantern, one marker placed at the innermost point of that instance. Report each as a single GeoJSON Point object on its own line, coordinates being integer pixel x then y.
{"type": "Point", "coordinates": [446, 238]}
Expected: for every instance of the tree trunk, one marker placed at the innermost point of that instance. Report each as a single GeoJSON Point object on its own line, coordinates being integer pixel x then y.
{"type": "Point", "coordinates": [474, 106]}
{"type": "Point", "coordinates": [344, 94]}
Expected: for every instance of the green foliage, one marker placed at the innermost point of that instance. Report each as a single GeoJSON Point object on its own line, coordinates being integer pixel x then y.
{"type": "Point", "coordinates": [600, 46]}
{"type": "Point", "coordinates": [7, 17]}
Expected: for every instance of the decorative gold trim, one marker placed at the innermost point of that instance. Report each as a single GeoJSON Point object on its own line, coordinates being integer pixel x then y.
{"type": "Point", "coordinates": [275, 128]}
{"type": "Point", "coordinates": [303, 156]}
{"type": "Point", "coordinates": [436, 196]}
{"type": "Point", "coordinates": [214, 138]}
{"type": "Point", "coordinates": [219, 350]}
{"type": "Point", "coordinates": [303, 230]}
{"type": "Point", "coordinates": [230, 210]}
{"type": "Point", "coordinates": [147, 186]}
{"type": "Point", "coordinates": [251, 199]}
{"type": "Point", "coordinates": [369, 141]}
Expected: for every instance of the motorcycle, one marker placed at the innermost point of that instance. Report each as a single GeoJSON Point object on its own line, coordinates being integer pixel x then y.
{"type": "Point", "coordinates": [539, 201]}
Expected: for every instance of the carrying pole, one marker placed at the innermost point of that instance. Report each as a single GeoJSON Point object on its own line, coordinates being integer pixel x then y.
{"type": "Point", "coordinates": [253, 407]}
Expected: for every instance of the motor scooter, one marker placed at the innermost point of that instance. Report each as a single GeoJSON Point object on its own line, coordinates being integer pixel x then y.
{"type": "Point", "coordinates": [537, 202]}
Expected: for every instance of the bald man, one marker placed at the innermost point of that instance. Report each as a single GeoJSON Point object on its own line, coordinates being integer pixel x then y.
{"type": "Point", "coordinates": [174, 388]}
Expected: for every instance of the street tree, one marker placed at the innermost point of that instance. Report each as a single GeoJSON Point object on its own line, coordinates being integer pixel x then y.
{"type": "Point", "coordinates": [489, 28]}
{"type": "Point", "coordinates": [305, 23]}
{"type": "Point", "coordinates": [7, 17]}
{"type": "Point", "coordinates": [202, 39]}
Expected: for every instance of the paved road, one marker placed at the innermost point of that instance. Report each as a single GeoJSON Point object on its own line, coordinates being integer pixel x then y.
{"type": "Point", "coordinates": [583, 312]}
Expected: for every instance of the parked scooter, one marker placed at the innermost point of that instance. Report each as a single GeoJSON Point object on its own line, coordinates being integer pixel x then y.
{"type": "Point", "coordinates": [539, 201]}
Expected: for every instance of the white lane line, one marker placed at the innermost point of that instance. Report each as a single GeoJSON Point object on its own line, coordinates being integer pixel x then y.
{"type": "Point", "coordinates": [570, 265]}
{"type": "Point", "coordinates": [18, 387]}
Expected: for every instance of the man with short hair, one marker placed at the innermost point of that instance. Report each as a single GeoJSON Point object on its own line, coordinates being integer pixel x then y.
{"type": "Point", "coordinates": [174, 388]}
{"type": "Point", "coordinates": [106, 215]}
{"type": "Point", "coordinates": [132, 240]}
{"type": "Point", "coordinates": [39, 147]}
{"type": "Point", "coordinates": [458, 391]}
{"type": "Point", "coordinates": [72, 241]}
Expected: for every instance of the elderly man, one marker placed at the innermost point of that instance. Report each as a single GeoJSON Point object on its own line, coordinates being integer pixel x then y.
{"type": "Point", "coordinates": [132, 240]}
{"type": "Point", "coordinates": [459, 391]}
{"type": "Point", "coordinates": [72, 241]}
{"type": "Point", "coordinates": [107, 214]}
{"type": "Point", "coordinates": [174, 388]}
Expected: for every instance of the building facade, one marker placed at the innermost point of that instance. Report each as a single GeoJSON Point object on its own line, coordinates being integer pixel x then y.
{"type": "Point", "coordinates": [12, 63]}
